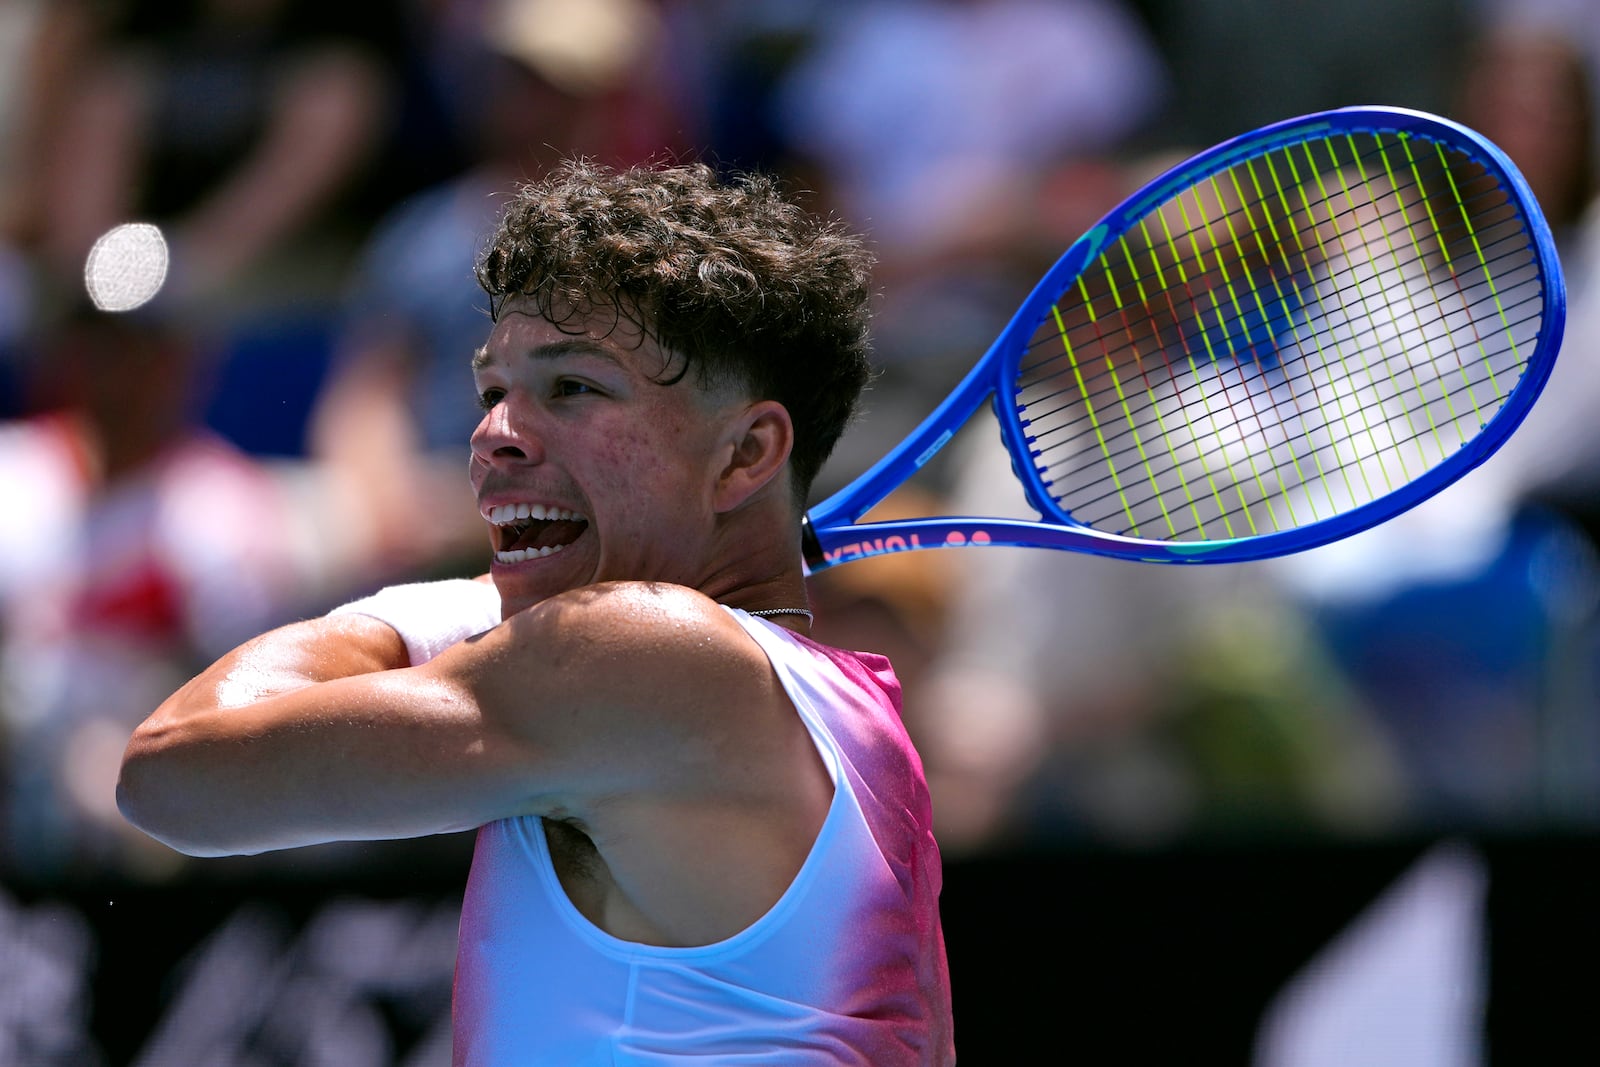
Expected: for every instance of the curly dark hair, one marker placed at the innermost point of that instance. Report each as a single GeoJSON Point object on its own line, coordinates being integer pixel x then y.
{"type": "Point", "coordinates": [742, 283]}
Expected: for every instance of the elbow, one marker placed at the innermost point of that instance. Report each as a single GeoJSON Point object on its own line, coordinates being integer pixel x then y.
{"type": "Point", "coordinates": [157, 804]}
{"type": "Point", "coordinates": [134, 788]}
{"type": "Point", "coordinates": [134, 804]}
{"type": "Point", "coordinates": [139, 801]}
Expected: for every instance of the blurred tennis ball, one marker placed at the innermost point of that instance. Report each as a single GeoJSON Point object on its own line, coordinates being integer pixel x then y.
{"type": "Point", "coordinates": [126, 267]}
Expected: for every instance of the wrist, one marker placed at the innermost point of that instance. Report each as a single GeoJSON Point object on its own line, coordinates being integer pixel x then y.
{"type": "Point", "coordinates": [431, 616]}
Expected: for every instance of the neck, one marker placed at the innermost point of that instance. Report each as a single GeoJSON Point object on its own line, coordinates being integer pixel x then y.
{"type": "Point", "coordinates": [779, 600]}
{"type": "Point", "coordinates": [758, 563]}
{"type": "Point", "coordinates": [780, 597]}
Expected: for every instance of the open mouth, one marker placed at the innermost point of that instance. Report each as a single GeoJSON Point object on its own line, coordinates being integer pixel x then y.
{"type": "Point", "coordinates": [530, 531]}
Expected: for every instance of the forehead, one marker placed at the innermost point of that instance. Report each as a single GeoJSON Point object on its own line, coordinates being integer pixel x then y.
{"type": "Point", "coordinates": [521, 334]}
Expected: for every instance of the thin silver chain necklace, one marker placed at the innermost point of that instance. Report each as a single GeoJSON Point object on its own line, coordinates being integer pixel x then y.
{"type": "Point", "coordinates": [764, 612]}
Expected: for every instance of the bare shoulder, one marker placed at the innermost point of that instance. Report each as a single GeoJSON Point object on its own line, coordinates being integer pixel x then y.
{"type": "Point", "coordinates": [647, 631]}
{"type": "Point", "coordinates": [628, 687]}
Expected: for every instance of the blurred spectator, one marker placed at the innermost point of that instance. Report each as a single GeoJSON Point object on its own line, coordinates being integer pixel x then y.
{"type": "Point", "coordinates": [1080, 696]}
{"type": "Point", "coordinates": [1526, 83]}
{"type": "Point", "coordinates": [1426, 672]}
{"type": "Point", "coordinates": [1534, 91]}
{"type": "Point", "coordinates": [1468, 622]}
{"type": "Point", "coordinates": [144, 546]}
{"type": "Point", "coordinates": [973, 140]}
{"type": "Point", "coordinates": [246, 130]}
{"type": "Point", "coordinates": [1244, 63]}
{"type": "Point", "coordinates": [236, 125]}
{"type": "Point", "coordinates": [738, 58]}
{"type": "Point", "coordinates": [44, 48]}
{"type": "Point", "coordinates": [1076, 697]}
{"type": "Point", "coordinates": [41, 50]}
{"type": "Point", "coordinates": [548, 79]}
{"type": "Point", "coordinates": [928, 115]}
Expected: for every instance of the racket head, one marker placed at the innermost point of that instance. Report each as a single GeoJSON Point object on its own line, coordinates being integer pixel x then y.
{"type": "Point", "coordinates": [1284, 340]}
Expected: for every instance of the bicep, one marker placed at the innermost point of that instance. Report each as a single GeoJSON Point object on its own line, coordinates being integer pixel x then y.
{"type": "Point", "coordinates": [619, 689]}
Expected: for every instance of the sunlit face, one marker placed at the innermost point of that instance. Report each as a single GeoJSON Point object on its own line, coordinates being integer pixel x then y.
{"type": "Point", "coordinates": [585, 467]}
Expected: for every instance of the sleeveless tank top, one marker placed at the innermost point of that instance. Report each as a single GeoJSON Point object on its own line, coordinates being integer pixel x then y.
{"type": "Point", "coordinates": [848, 967]}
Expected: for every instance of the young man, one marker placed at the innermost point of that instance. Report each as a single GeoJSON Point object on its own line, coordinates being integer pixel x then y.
{"type": "Point", "coordinates": [700, 833]}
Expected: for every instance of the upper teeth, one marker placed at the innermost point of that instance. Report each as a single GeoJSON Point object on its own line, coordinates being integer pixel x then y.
{"type": "Point", "coordinates": [504, 514]}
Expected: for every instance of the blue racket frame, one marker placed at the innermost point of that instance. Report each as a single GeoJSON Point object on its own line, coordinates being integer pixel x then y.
{"type": "Point", "coordinates": [832, 533]}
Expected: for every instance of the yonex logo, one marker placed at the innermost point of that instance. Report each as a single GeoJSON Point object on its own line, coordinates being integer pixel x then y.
{"type": "Point", "coordinates": [880, 546]}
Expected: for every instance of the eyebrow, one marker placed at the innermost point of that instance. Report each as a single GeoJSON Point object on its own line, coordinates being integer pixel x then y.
{"type": "Point", "coordinates": [575, 346]}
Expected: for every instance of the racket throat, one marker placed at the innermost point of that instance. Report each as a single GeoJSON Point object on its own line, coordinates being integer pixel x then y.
{"type": "Point", "coordinates": [810, 547]}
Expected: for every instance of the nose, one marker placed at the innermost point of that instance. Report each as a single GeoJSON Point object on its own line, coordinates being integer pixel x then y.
{"type": "Point", "coordinates": [502, 439]}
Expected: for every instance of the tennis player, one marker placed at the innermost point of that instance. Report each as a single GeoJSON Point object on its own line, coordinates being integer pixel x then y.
{"type": "Point", "coordinates": [700, 834]}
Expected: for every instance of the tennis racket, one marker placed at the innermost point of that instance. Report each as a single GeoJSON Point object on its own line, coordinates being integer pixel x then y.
{"type": "Point", "coordinates": [1282, 341]}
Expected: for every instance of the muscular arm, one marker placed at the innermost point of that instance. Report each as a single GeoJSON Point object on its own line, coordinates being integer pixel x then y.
{"type": "Point", "coordinates": [288, 660]}
{"type": "Point", "coordinates": [315, 733]}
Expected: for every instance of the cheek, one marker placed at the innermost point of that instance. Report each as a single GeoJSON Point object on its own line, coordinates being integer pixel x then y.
{"type": "Point", "coordinates": [628, 451]}
{"type": "Point", "coordinates": [649, 455]}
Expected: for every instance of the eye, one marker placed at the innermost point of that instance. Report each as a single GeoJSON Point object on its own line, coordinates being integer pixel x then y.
{"type": "Point", "coordinates": [569, 387]}
{"type": "Point", "coordinates": [490, 397]}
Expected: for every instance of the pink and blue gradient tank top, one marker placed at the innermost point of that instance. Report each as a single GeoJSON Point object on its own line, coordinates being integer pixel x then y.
{"type": "Point", "coordinates": [848, 967]}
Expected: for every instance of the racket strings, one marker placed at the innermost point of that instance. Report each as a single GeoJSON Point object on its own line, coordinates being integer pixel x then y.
{"type": "Point", "coordinates": [1286, 340]}
{"type": "Point", "coordinates": [1068, 418]}
{"type": "Point", "coordinates": [1503, 253]}
{"type": "Point", "coordinates": [1040, 394]}
{"type": "Point", "coordinates": [1117, 348]}
{"type": "Point", "coordinates": [1390, 451]}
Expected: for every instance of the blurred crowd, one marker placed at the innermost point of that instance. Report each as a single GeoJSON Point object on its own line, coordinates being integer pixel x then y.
{"type": "Point", "coordinates": [284, 425]}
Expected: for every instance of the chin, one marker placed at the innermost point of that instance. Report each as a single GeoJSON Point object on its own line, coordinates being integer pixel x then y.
{"type": "Point", "coordinates": [514, 599]}
{"type": "Point", "coordinates": [522, 585]}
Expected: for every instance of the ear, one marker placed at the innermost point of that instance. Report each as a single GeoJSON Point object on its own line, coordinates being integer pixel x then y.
{"type": "Point", "coordinates": [756, 450]}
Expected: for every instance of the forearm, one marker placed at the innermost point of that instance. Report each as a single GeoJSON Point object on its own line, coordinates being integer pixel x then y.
{"type": "Point", "coordinates": [400, 626]}
{"type": "Point", "coordinates": [165, 765]}
{"type": "Point", "coordinates": [389, 755]}
{"type": "Point", "coordinates": [295, 656]}
{"type": "Point", "coordinates": [261, 749]}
